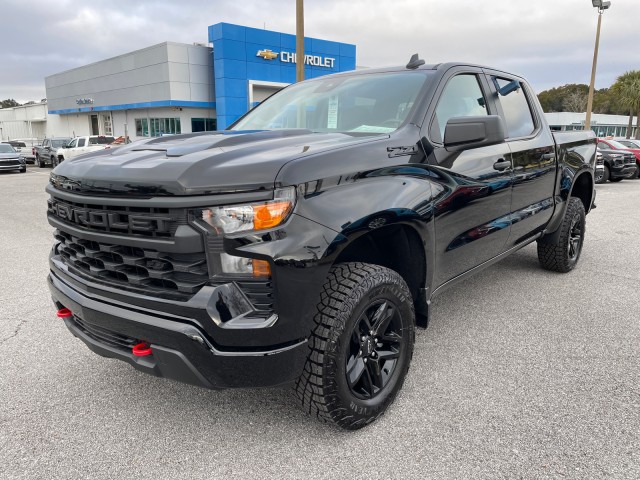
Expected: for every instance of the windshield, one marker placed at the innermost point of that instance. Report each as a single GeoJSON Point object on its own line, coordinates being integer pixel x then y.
{"type": "Point", "coordinates": [370, 103]}
{"type": "Point", "coordinates": [630, 143]}
{"type": "Point", "coordinates": [59, 143]}
{"type": "Point", "coordinates": [6, 148]}
{"type": "Point", "coordinates": [617, 145]}
{"type": "Point", "coordinates": [100, 140]}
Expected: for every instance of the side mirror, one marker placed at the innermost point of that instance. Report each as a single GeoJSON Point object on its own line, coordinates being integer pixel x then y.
{"type": "Point", "coordinates": [463, 133]}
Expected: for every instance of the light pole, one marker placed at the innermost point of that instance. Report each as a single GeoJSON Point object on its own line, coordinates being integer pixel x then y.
{"type": "Point", "coordinates": [601, 6]}
{"type": "Point", "coordinates": [299, 40]}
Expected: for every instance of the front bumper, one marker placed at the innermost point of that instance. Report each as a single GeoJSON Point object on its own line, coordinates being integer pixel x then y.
{"type": "Point", "coordinates": [13, 167]}
{"type": "Point", "coordinates": [182, 351]}
{"type": "Point", "coordinates": [622, 171]}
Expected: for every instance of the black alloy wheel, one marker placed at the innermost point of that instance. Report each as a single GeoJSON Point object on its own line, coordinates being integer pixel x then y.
{"type": "Point", "coordinates": [372, 356]}
{"type": "Point", "coordinates": [599, 176]}
{"type": "Point", "coordinates": [576, 230]}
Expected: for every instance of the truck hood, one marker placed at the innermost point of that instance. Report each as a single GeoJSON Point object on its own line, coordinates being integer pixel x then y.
{"type": "Point", "coordinates": [195, 164]}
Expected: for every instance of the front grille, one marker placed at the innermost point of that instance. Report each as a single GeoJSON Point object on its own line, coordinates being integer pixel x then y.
{"type": "Point", "coordinates": [138, 269]}
{"type": "Point", "coordinates": [629, 159]}
{"type": "Point", "coordinates": [5, 163]}
{"type": "Point", "coordinates": [105, 336]}
{"type": "Point", "coordinates": [129, 221]}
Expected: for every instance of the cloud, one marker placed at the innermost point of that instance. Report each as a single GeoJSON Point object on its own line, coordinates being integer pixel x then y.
{"type": "Point", "coordinates": [549, 43]}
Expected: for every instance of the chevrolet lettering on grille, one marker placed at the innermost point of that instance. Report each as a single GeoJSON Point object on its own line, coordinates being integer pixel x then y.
{"type": "Point", "coordinates": [112, 220]}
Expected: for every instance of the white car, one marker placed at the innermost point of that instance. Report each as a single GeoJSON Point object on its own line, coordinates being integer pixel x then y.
{"type": "Point", "coordinates": [82, 145]}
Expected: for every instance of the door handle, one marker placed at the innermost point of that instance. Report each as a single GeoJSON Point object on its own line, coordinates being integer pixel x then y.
{"type": "Point", "coordinates": [501, 164]}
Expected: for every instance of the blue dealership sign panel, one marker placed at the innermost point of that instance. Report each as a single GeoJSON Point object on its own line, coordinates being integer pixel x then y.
{"type": "Point", "coordinates": [244, 54]}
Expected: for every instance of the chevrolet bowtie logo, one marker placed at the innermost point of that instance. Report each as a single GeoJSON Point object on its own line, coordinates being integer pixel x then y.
{"type": "Point", "coordinates": [267, 54]}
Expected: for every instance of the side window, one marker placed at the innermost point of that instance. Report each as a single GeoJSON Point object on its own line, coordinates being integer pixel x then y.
{"type": "Point", "coordinates": [73, 143]}
{"type": "Point", "coordinates": [462, 97]}
{"type": "Point", "coordinates": [517, 113]}
{"type": "Point", "coordinates": [81, 142]}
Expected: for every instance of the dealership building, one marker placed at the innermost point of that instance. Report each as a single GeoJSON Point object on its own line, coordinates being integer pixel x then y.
{"type": "Point", "coordinates": [180, 88]}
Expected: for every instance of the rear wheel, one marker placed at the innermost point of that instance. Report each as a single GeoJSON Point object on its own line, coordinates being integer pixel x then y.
{"type": "Point", "coordinates": [563, 254]}
{"type": "Point", "coordinates": [361, 346]}
{"type": "Point", "coordinates": [54, 161]}
{"type": "Point", "coordinates": [38, 162]}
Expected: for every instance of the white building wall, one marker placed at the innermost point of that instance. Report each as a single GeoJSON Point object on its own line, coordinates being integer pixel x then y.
{"type": "Point", "coordinates": [76, 124]}
{"type": "Point", "coordinates": [23, 122]}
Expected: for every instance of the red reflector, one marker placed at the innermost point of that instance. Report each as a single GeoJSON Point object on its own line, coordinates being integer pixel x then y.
{"type": "Point", "coordinates": [64, 313]}
{"type": "Point", "coordinates": [141, 349]}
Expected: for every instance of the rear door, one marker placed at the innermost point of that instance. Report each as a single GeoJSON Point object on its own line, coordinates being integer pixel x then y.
{"type": "Point", "coordinates": [533, 155]}
{"type": "Point", "coordinates": [472, 213]}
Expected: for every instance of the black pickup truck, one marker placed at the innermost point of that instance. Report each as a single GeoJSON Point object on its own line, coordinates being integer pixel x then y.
{"type": "Point", "coordinates": [305, 243]}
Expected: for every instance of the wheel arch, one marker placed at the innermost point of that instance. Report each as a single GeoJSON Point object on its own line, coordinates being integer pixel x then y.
{"type": "Point", "coordinates": [582, 188]}
{"type": "Point", "coordinates": [399, 247]}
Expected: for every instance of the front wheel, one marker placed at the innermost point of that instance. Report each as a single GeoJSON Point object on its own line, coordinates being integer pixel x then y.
{"type": "Point", "coordinates": [563, 254]}
{"type": "Point", "coordinates": [361, 346]}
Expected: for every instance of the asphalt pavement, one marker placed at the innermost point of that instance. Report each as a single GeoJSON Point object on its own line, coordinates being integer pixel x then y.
{"type": "Point", "coordinates": [522, 373]}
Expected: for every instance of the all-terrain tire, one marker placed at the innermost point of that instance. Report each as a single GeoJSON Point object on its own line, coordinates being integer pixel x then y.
{"type": "Point", "coordinates": [336, 378]}
{"type": "Point", "coordinates": [563, 255]}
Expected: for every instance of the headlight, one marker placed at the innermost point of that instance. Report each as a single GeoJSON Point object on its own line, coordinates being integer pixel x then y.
{"type": "Point", "coordinates": [254, 216]}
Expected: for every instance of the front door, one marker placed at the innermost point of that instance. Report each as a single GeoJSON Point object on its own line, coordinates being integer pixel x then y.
{"type": "Point", "coordinates": [95, 128]}
{"type": "Point", "coordinates": [472, 213]}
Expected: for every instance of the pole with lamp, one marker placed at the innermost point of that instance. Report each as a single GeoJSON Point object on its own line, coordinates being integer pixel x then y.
{"type": "Point", "coordinates": [601, 6]}
{"type": "Point", "coordinates": [299, 40]}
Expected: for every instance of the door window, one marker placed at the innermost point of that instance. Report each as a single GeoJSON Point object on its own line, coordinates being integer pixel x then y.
{"type": "Point", "coordinates": [73, 143]}
{"type": "Point", "coordinates": [81, 142]}
{"type": "Point", "coordinates": [462, 97]}
{"type": "Point", "coordinates": [517, 113]}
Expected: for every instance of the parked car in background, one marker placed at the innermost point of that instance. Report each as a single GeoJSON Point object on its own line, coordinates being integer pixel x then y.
{"type": "Point", "coordinates": [617, 145]}
{"type": "Point", "coordinates": [45, 154]}
{"type": "Point", "coordinates": [598, 174]}
{"type": "Point", "coordinates": [618, 164]}
{"type": "Point", "coordinates": [25, 147]}
{"type": "Point", "coordinates": [10, 159]}
{"type": "Point", "coordinates": [633, 145]}
{"type": "Point", "coordinates": [82, 145]}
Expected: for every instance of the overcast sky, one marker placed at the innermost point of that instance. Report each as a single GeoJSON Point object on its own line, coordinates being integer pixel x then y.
{"type": "Point", "coordinates": [550, 43]}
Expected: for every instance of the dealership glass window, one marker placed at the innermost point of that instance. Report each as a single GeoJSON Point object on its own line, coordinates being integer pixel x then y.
{"type": "Point", "coordinates": [156, 127]}
{"type": "Point", "coordinates": [142, 127]}
{"type": "Point", "coordinates": [517, 113]}
{"type": "Point", "coordinates": [203, 124]}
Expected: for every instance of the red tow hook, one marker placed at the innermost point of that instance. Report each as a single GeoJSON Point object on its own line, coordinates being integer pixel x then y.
{"type": "Point", "coordinates": [64, 313]}
{"type": "Point", "coordinates": [141, 349]}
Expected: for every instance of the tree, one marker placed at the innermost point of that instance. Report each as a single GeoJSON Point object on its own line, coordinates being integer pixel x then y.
{"type": "Point", "coordinates": [575, 101]}
{"type": "Point", "coordinates": [554, 100]}
{"type": "Point", "coordinates": [8, 103]}
{"type": "Point", "coordinates": [627, 89]}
